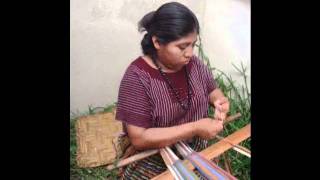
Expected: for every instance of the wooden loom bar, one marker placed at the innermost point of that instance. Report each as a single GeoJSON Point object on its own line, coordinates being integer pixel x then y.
{"type": "Point", "coordinates": [134, 158]}
{"type": "Point", "coordinates": [231, 118]}
{"type": "Point", "coordinates": [236, 146]}
{"type": "Point", "coordinates": [215, 149]}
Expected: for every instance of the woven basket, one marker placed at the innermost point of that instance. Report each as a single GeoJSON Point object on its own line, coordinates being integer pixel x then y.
{"type": "Point", "coordinates": [98, 140]}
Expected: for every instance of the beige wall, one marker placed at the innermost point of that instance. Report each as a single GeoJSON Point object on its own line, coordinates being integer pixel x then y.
{"type": "Point", "coordinates": [104, 40]}
{"type": "Point", "coordinates": [226, 34]}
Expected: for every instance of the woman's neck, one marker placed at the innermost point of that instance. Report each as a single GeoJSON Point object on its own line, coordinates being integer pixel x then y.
{"type": "Point", "coordinates": [163, 67]}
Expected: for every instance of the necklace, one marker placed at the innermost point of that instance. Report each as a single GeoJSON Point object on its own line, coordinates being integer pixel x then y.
{"type": "Point", "coordinates": [185, 107]}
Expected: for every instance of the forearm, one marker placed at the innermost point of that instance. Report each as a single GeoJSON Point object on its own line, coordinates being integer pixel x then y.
{"type": "Point", "coordinates": [160, 137]}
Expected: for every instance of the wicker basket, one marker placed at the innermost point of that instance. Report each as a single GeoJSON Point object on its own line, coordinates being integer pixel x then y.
{"type": "Point", "coordinates": [98, 140]}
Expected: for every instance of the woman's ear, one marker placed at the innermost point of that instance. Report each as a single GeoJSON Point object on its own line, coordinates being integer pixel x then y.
{"type": "Point", "coordinates": [155, 42]}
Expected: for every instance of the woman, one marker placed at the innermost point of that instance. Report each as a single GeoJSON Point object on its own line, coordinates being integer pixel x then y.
{"type": "Point", "coordinates": [165, 94]}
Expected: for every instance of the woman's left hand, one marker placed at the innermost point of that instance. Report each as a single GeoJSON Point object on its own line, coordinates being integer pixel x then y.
{"type": "Point", "coordinates": [221, 108]}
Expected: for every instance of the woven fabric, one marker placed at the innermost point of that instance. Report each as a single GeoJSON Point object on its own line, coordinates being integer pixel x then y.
{"type": "Point", "coordinates": [154, 165]}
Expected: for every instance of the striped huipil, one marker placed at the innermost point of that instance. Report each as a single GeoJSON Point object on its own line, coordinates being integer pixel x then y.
{"type": "Point", "coordinates": [145, 100]}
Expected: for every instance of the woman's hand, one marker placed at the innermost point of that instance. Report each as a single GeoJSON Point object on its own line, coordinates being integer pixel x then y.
{"type": "Point", "coordinates": [221, 108]}
{"type": "Point", "coordinates": [207, 128]}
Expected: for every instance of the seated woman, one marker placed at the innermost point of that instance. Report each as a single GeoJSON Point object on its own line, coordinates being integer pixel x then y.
{"type": "Point", "coordinates": [165, 94]}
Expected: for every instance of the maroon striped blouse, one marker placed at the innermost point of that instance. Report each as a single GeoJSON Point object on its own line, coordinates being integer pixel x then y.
{"type": "Point", "coordinates": [145, 100]}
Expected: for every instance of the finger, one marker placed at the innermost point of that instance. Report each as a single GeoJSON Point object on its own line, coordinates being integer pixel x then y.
{"type": "Point", "coordinates": [218, 107]}
{"type": "Point", "coordinates": [217, 103]}
{"type": "Point", "coordinates": [216, 114]}
{"type": "Point", "coordinates": [223, 116]}
{"type": "Point", "coordinates": [223, 100]}
{"type": "Point", "coordinates": [225, 107]}
{"type": "Point", "coordinates": [220, 117]}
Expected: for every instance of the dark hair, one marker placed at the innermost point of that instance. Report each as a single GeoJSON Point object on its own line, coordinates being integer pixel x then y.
{"type": "Point", "coordinates": [169, 23]}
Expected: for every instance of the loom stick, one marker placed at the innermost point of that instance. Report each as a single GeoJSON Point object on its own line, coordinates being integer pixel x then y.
{"type": "Point", "coordinates": [237, 147]}
{"type": "Point", "coordinates": [169, 164]}
{"type": "Point", "coordinates": [227, 164]}
{"type": "Point", "coordinates": [184, 171]}
{"type": "Point", "coordinates": [215, 150]}
{"type": "Point", "coordinates": [231, 118]}
{"type": "Point", "coordinates": [134, 158]}
{"type": "Point", "coordinates": [204, 166]}
{"type": "Point", "coordinates": [242, 152]}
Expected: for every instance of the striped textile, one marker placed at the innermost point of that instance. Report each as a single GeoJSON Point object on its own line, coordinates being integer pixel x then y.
{"type": "Point", "coordinates": [154, 165]}
{"type": "Point", "coordinates": [145, 100]}
{"type": "Point", "coordinates": [207, 168]}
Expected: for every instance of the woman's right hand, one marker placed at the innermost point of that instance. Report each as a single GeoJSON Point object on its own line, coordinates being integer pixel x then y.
{"type": "Point", "coordinates": [208, 128]}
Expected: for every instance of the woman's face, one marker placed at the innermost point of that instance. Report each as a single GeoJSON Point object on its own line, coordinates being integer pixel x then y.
{"type": "Point", "coordinates": [176, 54]}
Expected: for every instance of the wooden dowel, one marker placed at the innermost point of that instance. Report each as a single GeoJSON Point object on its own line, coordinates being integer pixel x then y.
{"type": "Point", "coordinates": [168, 163]}
{"type": "Point", "coordinates": [227, 164]}
{"type": "Point", "coordinates": [134, 158]}
{"type": "Point", "coordinates": [242, 152]}
{"type": "Point", "coordinates": [237, 147]}
{"type": "Point", "coordinates": [231, 118]}
{"type": "Point", "coordinates": [214, 150]}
